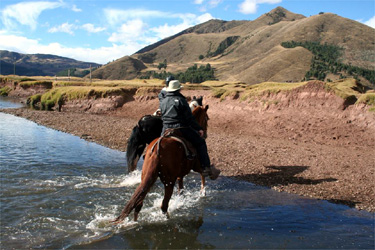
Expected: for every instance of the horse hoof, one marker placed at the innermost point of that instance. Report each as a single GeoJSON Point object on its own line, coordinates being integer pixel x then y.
{"type": "Point", "coordinates": [203, 192]}
{"type": "Point", "coordinates": [166, 215]}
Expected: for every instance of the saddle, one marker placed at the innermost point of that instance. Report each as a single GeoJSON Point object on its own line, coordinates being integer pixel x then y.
{"type": "Point", "coordinates": [175, 134]}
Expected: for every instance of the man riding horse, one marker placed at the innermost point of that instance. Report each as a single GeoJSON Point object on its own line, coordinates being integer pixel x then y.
{"type": "Point", "coordinates": [176, 114]}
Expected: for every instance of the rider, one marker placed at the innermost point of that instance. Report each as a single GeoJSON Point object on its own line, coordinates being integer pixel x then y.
{"type": "Point", "coordinates": [162, 93]}
{"type": "Point", "coordinates": [176, 113]}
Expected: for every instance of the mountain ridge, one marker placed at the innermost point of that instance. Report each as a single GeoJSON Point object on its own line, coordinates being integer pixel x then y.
{"type": "Point", "coordinates": [38, 64]}
{"type": "Point", "coordinates": [249, 51]}
{"type": "Point", "coordinates": [253, 57]}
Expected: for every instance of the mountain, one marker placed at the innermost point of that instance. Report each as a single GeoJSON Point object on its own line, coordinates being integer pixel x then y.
{"type": "Point", "coordinates": [125, 68]}
{"type": "Point", "coordinates": [251, 51]}
{"type": "Point", "coordinates": [38, 64]}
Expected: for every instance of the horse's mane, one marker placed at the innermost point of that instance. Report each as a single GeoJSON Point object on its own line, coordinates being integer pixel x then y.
{"type": "Point", "coordinates": [200, 114]}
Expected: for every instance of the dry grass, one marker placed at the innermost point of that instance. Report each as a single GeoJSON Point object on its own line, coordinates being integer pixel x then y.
{"type": "Point", "coordinates": [344, 88]}
{"type": "Point", "coordinates": [81, 88]}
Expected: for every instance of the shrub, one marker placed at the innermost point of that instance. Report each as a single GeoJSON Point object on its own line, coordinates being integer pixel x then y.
{"type": "Point", "coordinates": [34, 100]}
{"type": "Point", "coordinates": [28, 84]}
{"type": "Point", "coordinates": [5, 91]}
{"type": "Point", "coordinates": [326, 60]}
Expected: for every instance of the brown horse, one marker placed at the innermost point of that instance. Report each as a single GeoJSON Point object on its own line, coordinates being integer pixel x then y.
{"type": "Point", "coordinates": [165, 158]}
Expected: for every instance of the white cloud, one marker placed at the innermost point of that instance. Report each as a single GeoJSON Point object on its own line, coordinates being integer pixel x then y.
{"type": "Point", "coordinates": [65, 28]}
{"type": "Point", "coordinates": [115, 16]}
{"type": "Point", "coordinates": [189, 20]}
{"type": "Point", "coordinates": [251, 6]}
{"type": "Point", "coordinates": [99, 55]}
{"type": "Point", "coordinates": [76, 9]}
{"type": "Point", "coordinates": [371, 22]}
{"type": "Point", "coordinates": [248, 7]}
{"type": "Point", "coordinates": [91, 28]}
{"type": "Point", "coordinates": [204, 18]}
{"type": "Point", "coordinates": [269, 1]}
{"type": "Point", "coordinates": [207, 5]}
{"type": "Point", "coordinates": [131, 30]}
{"type": "Point", "coordinates": [25, 13]}
{"type": "Point", "coordinates": [214, 3]}
{"type": "Point", "coordinates": [69, 28]}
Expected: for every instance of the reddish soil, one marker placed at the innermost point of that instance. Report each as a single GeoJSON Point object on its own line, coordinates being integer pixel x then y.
{"type": "Point", "coordinates": [302, 142]}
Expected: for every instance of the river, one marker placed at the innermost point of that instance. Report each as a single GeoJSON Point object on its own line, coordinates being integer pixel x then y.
{"type": "Point", "coordinates": [59, 191]}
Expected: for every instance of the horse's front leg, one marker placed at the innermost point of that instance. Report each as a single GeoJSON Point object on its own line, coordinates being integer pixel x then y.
{"type": "Point", "coordinates": [180, 185]}
{"type": "Point", "coordinates": [168, 190]}
{"type": "Point", "coordinates": [203, 184]}
{"type": "Point", "coordinates": [136, 210]}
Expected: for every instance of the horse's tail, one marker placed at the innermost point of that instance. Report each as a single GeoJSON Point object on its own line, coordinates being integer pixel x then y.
{"type": "Point", "coordinates": [149, 176]}
{"type": "Point", "coordinates": [134, 148]}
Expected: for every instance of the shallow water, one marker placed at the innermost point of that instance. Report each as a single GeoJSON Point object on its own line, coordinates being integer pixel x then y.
{"type": "Point", "coordinates": [7, 102]}
{"type": "Point", "coordinates": [59, 191]}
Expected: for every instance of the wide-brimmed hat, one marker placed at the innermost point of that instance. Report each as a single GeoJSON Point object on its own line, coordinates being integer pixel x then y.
{"type": "Point", "coordinates": [173, 85]}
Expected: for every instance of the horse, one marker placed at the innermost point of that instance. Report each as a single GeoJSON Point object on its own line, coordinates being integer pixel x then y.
{"type": "Point", "coordinates": [147, 129]}
{"type": "Point", "coordinates": [165, 158]}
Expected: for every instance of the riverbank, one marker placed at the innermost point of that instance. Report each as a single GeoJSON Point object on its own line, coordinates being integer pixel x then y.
{"type": "Point", "coordinates": [308, 147]}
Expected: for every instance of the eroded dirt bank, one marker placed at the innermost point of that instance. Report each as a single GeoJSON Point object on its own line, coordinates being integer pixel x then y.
{"type": "Point", "coordinates": [302, 142]}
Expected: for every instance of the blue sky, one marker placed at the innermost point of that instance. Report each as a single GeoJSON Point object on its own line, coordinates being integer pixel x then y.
{"type": "Point", "coordinates": [103, 30]}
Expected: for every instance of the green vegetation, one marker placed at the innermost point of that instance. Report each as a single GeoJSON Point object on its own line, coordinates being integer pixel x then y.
{"type": "Point", "coordinates": [57, 96]}
{"type": "Point", "coordinates": [326, 60]}
{"type": "Point", "coordinates": [276, 16]}
{"type": "Point", "coordinates": [344, 88]}
{"type": "Point", "coordinates": [268, 88]}
{"type": "Point", "coordinates": [368, 99]}
{"type": "Point", "coordinates": [218, 92]}
{"type": "Point", "coordinates": [28, 84]}
{"type": "Point", "coordinates": [193, 74]}
{"type": "Point", "coordinates": [26, 79]}
{"type": "Point", "coordinates": [34, 100]}
{"type": "Point", "coordinates": [163, 65]}
{"type": "Point", "coordinates": [196, 74]}
{"type": "Point", "coordinates": [223, 46]}
{"type": "Point", "coordinates": [5, 91]}
{"type": "Point", "coordinates": [75, 72]}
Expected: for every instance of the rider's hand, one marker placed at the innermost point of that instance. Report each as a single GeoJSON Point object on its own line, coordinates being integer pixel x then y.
{"type": "Point", "coordinates": [201, 133]}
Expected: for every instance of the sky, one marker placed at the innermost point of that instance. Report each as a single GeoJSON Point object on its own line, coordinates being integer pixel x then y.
{"type": "Point", "coordinates": [101, 31]}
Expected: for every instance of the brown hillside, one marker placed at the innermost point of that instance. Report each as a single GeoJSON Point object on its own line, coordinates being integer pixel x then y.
{"type": "Point", "coordinates": [124, 68]}
{"type": "Point", "coordinates": [250, 51]}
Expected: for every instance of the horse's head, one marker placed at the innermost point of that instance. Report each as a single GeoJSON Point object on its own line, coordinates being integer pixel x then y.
{"type": "Point", "coordinates": [200, 114]}
{"type": "Point", "coordinates": [195, 102]}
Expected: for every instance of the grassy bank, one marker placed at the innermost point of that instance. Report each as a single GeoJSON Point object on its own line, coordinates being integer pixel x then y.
{"type": "Point", "coordinates": [59, 91]}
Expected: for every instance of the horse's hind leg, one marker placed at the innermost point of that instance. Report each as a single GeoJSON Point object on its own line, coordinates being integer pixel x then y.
{"type": "Point", "coordinates": [168, 191]}
{"type": "Point", "coordinates": [203, 184]}
{"type": "Point", "coordinates": [180, 185]}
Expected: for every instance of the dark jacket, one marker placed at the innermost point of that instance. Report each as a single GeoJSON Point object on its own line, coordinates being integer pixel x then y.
{"type": "Point", "coordinates": [175, 112]}
{"type": "Point", "coordinates": [162, 94]}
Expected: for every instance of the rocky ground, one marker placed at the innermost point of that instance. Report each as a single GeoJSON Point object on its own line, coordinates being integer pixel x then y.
{"type": "Point", "coordinates": [303, 142]}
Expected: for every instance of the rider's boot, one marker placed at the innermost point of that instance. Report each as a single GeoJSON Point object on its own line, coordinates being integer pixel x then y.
{"type": "Point", "coordinates": [211, 171]}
